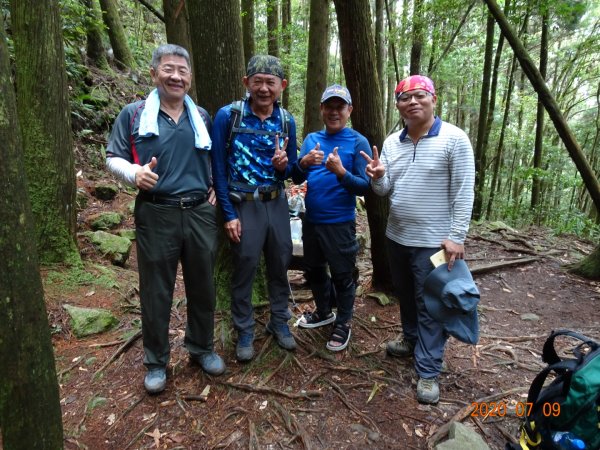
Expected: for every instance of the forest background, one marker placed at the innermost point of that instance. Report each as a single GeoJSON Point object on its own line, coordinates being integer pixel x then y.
{"type": "Point", "coordinates": [60, 59]}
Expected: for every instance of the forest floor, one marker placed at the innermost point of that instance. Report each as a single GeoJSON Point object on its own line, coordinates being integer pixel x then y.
{"type": "Point", "coordinates": [314, 399]}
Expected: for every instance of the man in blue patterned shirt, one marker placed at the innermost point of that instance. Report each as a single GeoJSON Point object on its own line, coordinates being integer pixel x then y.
{"type": "Point", "coordinates": [251, 159]}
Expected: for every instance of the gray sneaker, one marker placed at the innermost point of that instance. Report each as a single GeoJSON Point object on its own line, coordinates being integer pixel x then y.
{"type": "Point", "coordinates": [244, 349]}
{"type": "Point", "coordinates": [211, 363]}
{"type": "Point", "coordinates": [400, 348]}
{"type": "Point", "coordinates": [155, 380]}
{"type": "Point", "coordinates": [282, 335]}
{"type": "Point", "coordinates": [428, 390]}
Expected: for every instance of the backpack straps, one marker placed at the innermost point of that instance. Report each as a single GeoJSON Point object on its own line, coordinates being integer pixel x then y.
{"type": "Point", "coordinates": [235, 120]}
{"type": "Point", "coordinates": [134, 153]}
{"type": "Point", "coordinates": [549, 354]}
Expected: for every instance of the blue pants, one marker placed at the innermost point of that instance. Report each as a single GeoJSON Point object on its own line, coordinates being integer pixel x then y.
{"type": "Point", "coordinates": [409, 268]}
{"type": "Point", "coordinates": [265, 228]}
{"type": "Point", "coordinates": [332, 244]}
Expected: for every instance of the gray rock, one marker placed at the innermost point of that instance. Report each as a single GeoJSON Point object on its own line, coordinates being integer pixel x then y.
{"type": "Point", "coordinates": [116, 248]}
{"type": "Point", "coordinates": [531, 317]}
{"type": "Point", "coordinates": [88, 321]}
{"type": "Point", "coordinates": [462, 437]}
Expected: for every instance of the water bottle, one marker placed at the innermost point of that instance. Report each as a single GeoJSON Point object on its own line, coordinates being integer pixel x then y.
{"type": "Point", "coordinates": [565, 440]}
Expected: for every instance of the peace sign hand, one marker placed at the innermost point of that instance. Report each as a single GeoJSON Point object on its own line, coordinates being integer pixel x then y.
{"type": "Point", "coordinates": [280, 158]}
{"type": "Point", "coordinates": [375, 168]}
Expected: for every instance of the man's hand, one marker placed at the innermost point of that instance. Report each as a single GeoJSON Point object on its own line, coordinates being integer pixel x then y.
{"type": "Point", "coordinates": [334, 164]}
{"type": "Point", "coordinates": [453, 251]}
{"type": "Point", "coordinates": [212, 196]}
{"type": "Point", "coordinates": [375, 168]}
{"type": "Point", "coordinates": [144, 177]}
{"type": "Point", "coordinates": [312, 158]}
{"type": "Point", "coordinates": [280, 158]}
{"type": "Point", "coordinates": [233, 228]}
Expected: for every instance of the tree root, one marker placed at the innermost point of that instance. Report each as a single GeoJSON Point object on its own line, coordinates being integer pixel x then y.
{"type": "Point", "coordinates": [120, 350]}
{"type": "Point", "coordinates": [340, 393]}
{"type": "Point", "coordinates": [308, 395]}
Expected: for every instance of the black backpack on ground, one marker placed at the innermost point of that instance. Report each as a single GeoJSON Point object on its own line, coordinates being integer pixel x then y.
{"type": "Point", "coordinates": [570, 403]}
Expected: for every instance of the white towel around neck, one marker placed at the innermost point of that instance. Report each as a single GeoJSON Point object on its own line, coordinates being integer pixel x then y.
{"type": "Point", "coordinates": [149, 120]}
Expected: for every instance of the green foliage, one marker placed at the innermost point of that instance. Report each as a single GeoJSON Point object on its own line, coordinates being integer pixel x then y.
{"type": "Point", "coordinates": [78, 276]}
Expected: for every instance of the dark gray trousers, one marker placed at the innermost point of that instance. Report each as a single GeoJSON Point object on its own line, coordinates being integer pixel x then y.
{"type": "Point", "coordinates": [409, 268]}
{"type": "Point", "coordinates": [164, 236]}
{"type": "Point", "coordinates": [265, 228]}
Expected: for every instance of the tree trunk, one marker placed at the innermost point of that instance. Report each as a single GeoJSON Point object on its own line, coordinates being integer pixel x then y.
{"type": "Point", "coordinates": [561, 125]}
{"type": "Point", "coordinates": [94, 48]}
{"type": "Point", "coordinates": [248, 29]}
{"type": "Point", "coordinates": [317, 64]}
{"type": "Point", "coordinates": [273, 27]}
{"type": "Point", "coordinates": [45, 117]}
{"type": "Point", "coordinates": [539, 130]}
{"type": "Point", "coordinates": [177, 28]}
{"type": "Point", "coordinates": [218, 68]}
{"type": "Point", "coordinates": [116, 34]}
{"type": "Point", "coordinates": [286, 41]}
{"type": "Point", "coordinates": [500, 149]}
{"type": "Point", "coordinates": [480, 148]}
{"type": "Point", "coordinates": [588, 267]}
{"type": "Point", "coordinates": [358, 59]}
{"type": "Point", "coordinates": [380, 46]}
{"type": "Point", "coordinates": [417, 37]}
{"type": "Point", "coordinates": [30, 414]}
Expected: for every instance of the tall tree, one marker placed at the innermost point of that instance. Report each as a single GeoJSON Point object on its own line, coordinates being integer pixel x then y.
{"type": "Point", "coordinates": [116, 34]}
{"type": "Point", "coordinates": [359, 60]}
{"type": "Point", "coordinates": [316, 67]}
{"type": "Point", "coordinates": [380, 45]}
{"type": "Point", "coordinates": [480, 148]}
{"type": "Point", "coordinates": [94, 48]}
{"type": "Point", "coordinates": [248, 29]}
{"type": "Point", "coordinates": [218, 68]}
{"type": "Point", "coordinates": [30, 415]}
{"type": "Point", "coordinates": [45, 117]}
{"type": "Point", "coordinates": [177, 28]}
{"type": "Point", "coordinates": [286, 45]}
{"type": "Point", "coordinates": [539, 130]}
{"type": "Point", "coordinates": [418, 32]}
{"type": "Point", "coordinates": [273, 27]}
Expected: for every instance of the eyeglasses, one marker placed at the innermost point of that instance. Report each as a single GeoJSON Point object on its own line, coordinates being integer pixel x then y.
{"type": "Point", "coordinates": [418, 96]}
{"type": "Point", "coordinates": [170, 70]}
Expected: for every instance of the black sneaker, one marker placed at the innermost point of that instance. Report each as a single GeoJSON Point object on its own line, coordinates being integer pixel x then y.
{"type": "Point", "coordinates": [314, 320]}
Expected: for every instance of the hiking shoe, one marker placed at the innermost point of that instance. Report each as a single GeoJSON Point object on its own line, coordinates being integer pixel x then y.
{"type": "Point", "coordinates": [314, 320]}
{"type": "Point", "coordinates": [282, 334]}
{"type": "Point", "coordinates": [400, 348]}
{"type": "Point", "coordinates": [428, 390]}
{"type": "Point", "coordinates": [155, 380]}
{"type": "Point", "coordinates": [244, 350]}
{"type": "Point", "coordinates": [211, 363]}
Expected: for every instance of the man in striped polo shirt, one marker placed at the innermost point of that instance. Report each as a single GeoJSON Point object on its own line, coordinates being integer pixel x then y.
{"type": "Point", "coordinates": [428, 170]}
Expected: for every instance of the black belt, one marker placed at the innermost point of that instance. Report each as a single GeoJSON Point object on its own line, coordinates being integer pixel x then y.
{"type": "Point", "coordinates": [264, 196]}
{"type": "Point", "coordinates": [181, 202]}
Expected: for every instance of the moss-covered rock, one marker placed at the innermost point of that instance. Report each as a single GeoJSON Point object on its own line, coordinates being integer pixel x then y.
{"type": "Point", "coordinates": [128, 234]}
{"type": "Point", "coordinates": [105, 221]}
{"type": "Point", "coordinates": [88, 321]}
{"type": "Point", "coordinates": [117, 248]}
{"type": "Point", "coordinates": [105, 191]}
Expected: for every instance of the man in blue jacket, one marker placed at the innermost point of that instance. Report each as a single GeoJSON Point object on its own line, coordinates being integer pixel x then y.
{"type": "Point", "coordinates": [254, 148]}
{"type": "Point", "coordinates": [331, 162]}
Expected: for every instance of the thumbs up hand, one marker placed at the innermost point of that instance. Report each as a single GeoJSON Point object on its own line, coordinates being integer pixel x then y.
{"type": "Point", "coordinates": [334, 163]}
{"type": "Point", "coordinates": [312, 158]}
{"type": "Point", "coordinates": [145, 178]}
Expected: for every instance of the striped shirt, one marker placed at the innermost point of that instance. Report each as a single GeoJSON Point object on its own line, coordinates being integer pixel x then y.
{"type": "Point", "coordinates": [430, 184]}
